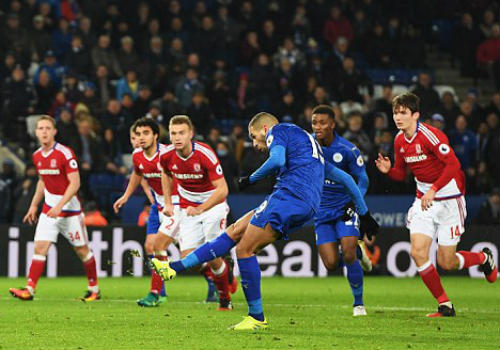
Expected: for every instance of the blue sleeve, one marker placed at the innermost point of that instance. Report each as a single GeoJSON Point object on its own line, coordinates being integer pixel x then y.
{"type": "Point", "coordinates": [335, 174]}
{"type": "Point", "coordinates": [277, 158]}
{"type": "Point", "coordinates": [358, 170]}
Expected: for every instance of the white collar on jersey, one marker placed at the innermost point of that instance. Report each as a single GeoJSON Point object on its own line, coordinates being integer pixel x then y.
{"type": "Point", "coordinates": [45, 155]}
{"type": "Point", "coordinates": [190, 154]}
{"type": "Point", "coordinates": [414, 135]}
{"type": "Point", "coordinates": [154, 155]}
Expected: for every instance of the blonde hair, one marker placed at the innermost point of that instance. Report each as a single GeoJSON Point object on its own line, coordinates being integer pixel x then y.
{"type": "Point", "coordinates": [46, 117]}
{"type": "Point", "coordinates": [181, 119]}
{"type": "Point", "coordinates": [262, 118]}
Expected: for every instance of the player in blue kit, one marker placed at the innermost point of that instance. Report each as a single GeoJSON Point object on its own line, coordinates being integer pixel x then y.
{"type": "Point", "coordinates": [297, 160]}
{"type": "Point", "coordinates": [329, 224]}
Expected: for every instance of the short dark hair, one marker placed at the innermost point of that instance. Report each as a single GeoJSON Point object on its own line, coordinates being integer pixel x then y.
{"type": "Point", "coordinates": [146, 122]}
{"type": "Point", "coordinates": [324, 109]}
{"type": "Point", "coordinates": [407, 100]}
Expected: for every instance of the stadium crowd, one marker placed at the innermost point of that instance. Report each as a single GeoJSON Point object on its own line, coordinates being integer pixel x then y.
{"type": "Point", "coordinates": [97, 66]}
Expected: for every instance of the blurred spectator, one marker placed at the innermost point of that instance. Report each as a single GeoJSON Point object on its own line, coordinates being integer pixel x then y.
{"type": "Point", "coordinates": [90, 99]}
{"type": "Point", "coordinates": [213, 137]}
{"type": "Point", "coordinates": [449, 109]}
{"type": "Point", "coordinates": [105, 91]}
{"type": "Point", "coordinates": [429, 98]}
{"type": "Point", "coordinates": [45, 92]}
{"type": "Point", "coordinates": [219, 96]}
{"type": "Point", "coordinates": [61, 39]}
{"type": "Point", "coordinates": [128, 85]}
{"type": "Point", "coordinates": [286, 109]}
{"type": "Point", "coordinates": [488, 55]}
{"type": "Point", "coordinates": [289, 52]}
{"type": "Point", "coordinates": [93, 216]}
{"type": "Point", "coordinates": [103, 54]}
{"type": "Point", "coordinates": [467, 38]}
{"type": "Point", "coordinates": [200, 113]}
{"type": "Point", "coordinates": [268, 39]}
{"type": "Point", "coordinates": [229, 165]}
{"type": "Point", "coordinates": [143, 101]}
{"type": "Point", "coordinates": [23, 194]}
{"type": "Point", "coordinates": [337, 25]}
{"type": "Point", "coordinates": [355, 133]}
{"type": "Point", "coordinates": [305, 118]}
{"type": "Point", "coordinates": [78, 57]}
{"type": "Point", "coordinates": [127, 57]}
{"type": "Point", "coordinates": [249, 49]}
{"type": "Point", "coordinates": [116, 119]}
{"type": "Point", "coordinates": [378, 49]}
{"type": "Point", "coordinates": [494, 106]}
{"type": "Point", "coordinates": [67, 131]}
{"type": "Point", "coordinates": [352, 84]}
{"type": "Point", "coordinates": [186, 87]}
{"type": "Point", "coordinates": [55, 70]}
{"type": "Point", "coordinates": [489, 212]}
{"type": "Point", "coordinates": [437, 121]}
{"type": "Point", "coordinates": [85, 32]}
{"type": "Point", "coordinates": [39, 40]}
{"type": "Point", "coordinates": [464, 143]}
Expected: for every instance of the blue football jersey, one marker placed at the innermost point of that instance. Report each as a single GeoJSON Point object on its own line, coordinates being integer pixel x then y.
{"type": "Point", "coordinates": [345, 156]}
{"type": "Point", "coordinates": [304, 171]}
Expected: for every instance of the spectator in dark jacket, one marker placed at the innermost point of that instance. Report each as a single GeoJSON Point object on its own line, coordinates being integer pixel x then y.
{"type": "Point", "coordinates": [78, 57]}
{"type": "Point", "coordinates": [489, 212]}
{"type": "Point", "coordinates": [429, 98]}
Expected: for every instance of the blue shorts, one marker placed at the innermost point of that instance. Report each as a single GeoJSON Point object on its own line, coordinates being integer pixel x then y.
{"type": "Point", "coordinates": [284, 211]}
{"type": "Point", "coordinates": [153, 224]}
{"type": "Point", "coordinates": [334, 230]}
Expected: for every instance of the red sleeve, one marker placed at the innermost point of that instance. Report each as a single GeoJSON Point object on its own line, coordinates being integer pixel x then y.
{"type": "Point", "coordinates": [135, 161]}
{"type": "Point", "coordinates": [398, 172]}
{"type": "Point", "coordinates": [214, 169]}
{"type": "Point", "coordinates": [164, 160]}
{"type": "Point", "coordinates": [70, 165]}
{"type": "Point", "coordinates": [445, 154]}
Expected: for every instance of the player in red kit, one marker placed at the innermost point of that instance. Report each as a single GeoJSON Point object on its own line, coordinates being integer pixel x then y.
{"type": "Point", "coordinates": [202, 192]}
{"type": "Point", "coordinates": [439, 208]}
{"type": "Point", "coordinates": [58, 183]}
{"type": "Point", "coordinates": [161, 230]}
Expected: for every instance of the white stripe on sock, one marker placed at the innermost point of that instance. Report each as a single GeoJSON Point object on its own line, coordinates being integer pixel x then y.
{"type": "Point", "coordinates": [425, 266]}
{"type": "Point", "coordinates": [461, 261]}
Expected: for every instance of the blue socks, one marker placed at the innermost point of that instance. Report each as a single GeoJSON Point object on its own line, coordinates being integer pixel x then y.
{"type": "Point", "coordinates": [355, 278]}
{"type": "Point", "coordinates": [217, 247]}
{"type": "Point", "coordinates": [250, 282]}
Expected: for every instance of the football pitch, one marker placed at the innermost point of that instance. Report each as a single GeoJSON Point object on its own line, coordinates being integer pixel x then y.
{"type": "Point", "coordinates": [308, 313]}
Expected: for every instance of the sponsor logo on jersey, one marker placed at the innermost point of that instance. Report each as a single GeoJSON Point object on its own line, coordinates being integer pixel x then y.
{"type": "Point", "coordinates": [337, 157]}
{"type": "Point", "coordinates": [49, 171]}
{"type": "Point", "coordinates": [152, 175]}
{"type": "Point", "coordinates": [53, 163]}
{"type": "Point", "coordinates": [188, 176]}
{"type": "Point", "coordinates": [415, 159]}
{"type": "Point", "coordinates": [418, 148]}
{"type": "Point", "coordinates": [197, 167]}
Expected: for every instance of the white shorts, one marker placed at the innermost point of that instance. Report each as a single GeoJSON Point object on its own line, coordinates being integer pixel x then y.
{"type": "Point", "coordinates": [170, 225]}
{"type": "Point", "coordinates": [444, 219]}
{"type": "Point", "coordinates": [71, 227]}
{"type": "Point", "coordinates": [196, 230]}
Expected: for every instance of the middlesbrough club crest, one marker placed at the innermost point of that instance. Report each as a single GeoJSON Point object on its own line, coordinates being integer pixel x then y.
{"type": "Point", "coordinates": [418, 148]}
{"type": "Point", "coordinates": [197, 167]}
{"type": "Point", "coordinates": [53, 163]}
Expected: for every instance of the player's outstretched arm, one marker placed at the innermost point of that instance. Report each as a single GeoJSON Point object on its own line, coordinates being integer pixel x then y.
{"type": "Point", "coordinates": [147, 190]}
{"type": "Point", "coordinates": [277, 158]}
{"type": "Point", "coordinates": [31, 215]}
{"type": "Point", "coordinates": [368, 225]}
{"type": "Point", "coordinates": [135, 180]}
{"type": "Point", "coordinates": [71, 190]}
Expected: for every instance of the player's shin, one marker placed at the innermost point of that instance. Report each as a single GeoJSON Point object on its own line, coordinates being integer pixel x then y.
{"type": "Point", "coordinates": [215, 248]}
{"type": "Point", "coordinates": [90, 267]}
{"type": "Point", "coordinates": [431, 279]}
{"type": "Point", "coordinates": [250, 282]}
{"type": "Point", "coordinates": [36, 270]}
{"type": "Point", "coordinates": [355, 278]}
{"type": "Point", "coordinates": [467, 259]}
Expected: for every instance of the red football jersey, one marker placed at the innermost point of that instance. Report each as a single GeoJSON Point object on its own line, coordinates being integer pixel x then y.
{"type": "Point", "coordinates": [193, 174]}
{"type": "Point", "coordinates": [431, 160]}
{"type": "Point", "coordinates": [150, 169]}
{"type": "Point", "coordinates": [53, 167]}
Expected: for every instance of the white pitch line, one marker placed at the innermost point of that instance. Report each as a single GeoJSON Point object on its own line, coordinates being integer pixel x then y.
{"type": "Point", "coordinates": [332, 306]}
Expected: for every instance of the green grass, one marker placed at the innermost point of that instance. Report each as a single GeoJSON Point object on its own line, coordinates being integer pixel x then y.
{"type": "Point", "coordinates": [302, 313]}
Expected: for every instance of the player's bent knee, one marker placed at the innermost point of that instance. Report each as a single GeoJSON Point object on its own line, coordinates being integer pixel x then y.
{"type": "Point", "coordinates": [349, 257]}
{"type": "Point", "coordinates": [448, 264]}
{"type": "Point", "coordinates": [149, 247]}
{"type": "Point", "coordinates": [243, 251]}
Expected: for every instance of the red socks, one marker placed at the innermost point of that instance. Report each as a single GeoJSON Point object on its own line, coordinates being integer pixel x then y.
{"type": "Point", "coordinates": [221, 282]}
{"type": "Point", "coordinates": [156, 281]}
{"type": "Point", "coordinates": [90, 269]}
{"type": "Point", "coordinates": [36, 270]}
{"type": "Point", "coordinates": [467, 259]}
{"type": "Point", "coordinates": [430, 276]}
